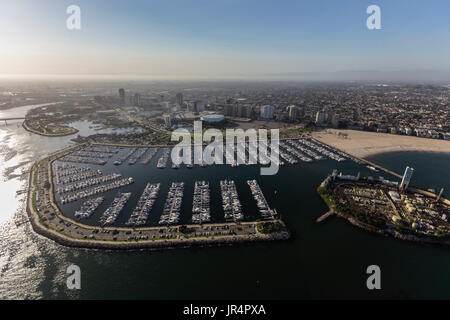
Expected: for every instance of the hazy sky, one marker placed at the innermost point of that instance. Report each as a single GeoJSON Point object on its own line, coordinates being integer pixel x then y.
{"type": "Point", "coordinates": [222, 37]}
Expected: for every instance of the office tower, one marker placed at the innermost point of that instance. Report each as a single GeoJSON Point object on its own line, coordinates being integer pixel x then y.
{"type": "Point", "coordinates": [122, 95]}
{"type": "Point", "coordinates": [229, 110]}
{"type": "Point", "coordinates": [406, 178]}
{"type": "Point", "coordinates": [267, 112]}
{"type": "Point", "coordinates": [248, 111]}
{"type": "Point", "coordinates": [240, 110]}
{"type": "Point", "coordinates": [294, 112]}
{"type": "Point", "coordinates": [179, 99]}
{"type": "Point", "coordinates": [199, 106]}
{"type": "Point", "coordinates": [137, 99]}
{"type": "Point", "coordinates": [320, 117]}
{"type": "Point", "coordinates": [167, 120]}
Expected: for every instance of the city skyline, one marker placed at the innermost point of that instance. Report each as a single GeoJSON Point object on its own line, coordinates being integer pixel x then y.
{"type": "Point", "coordinates": [317, 41]}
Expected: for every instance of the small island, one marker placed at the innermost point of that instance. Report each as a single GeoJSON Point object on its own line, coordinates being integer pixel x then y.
{"type": "Point", "coordinates": [388, 207]}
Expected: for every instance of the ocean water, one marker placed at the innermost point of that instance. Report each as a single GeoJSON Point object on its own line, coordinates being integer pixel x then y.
{"type": "Point", "coordinates": [326, 260]}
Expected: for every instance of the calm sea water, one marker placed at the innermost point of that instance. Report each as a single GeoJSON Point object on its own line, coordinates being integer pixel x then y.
{"type": "Point", "coordinates": [325, 260]}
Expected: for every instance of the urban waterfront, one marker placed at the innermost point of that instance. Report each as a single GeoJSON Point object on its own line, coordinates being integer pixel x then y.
{"type": "Point", "coordinates": [325, 260]}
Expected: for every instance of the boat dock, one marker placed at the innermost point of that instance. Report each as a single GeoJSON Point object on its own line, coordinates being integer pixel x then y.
{"type": "Point", "coordinates": [200, 203]}
{"type": "Point", "coordinates": [110, 215]}
{"type": "Point", "coordinates": [230, 201]}
{"type": "Point", "coordinates": [144, 206]}
{"type": "Point", "coordinates": [172, 207]}
{"type": "Point", "coordinates": [263, 206]}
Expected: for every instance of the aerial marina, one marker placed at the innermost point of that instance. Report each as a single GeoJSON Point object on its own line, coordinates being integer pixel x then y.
{"type": "Point", "coordinates": [135, 157]}
{"type": "Point", "coordinates": [84, 180]}
{"type": "Point", "coordinates": [162, 162]}
{"type": "Point", "coordinates": [151, 153]}
{"type": "Point", "coordinates": [88, 207]}
{"type": "Point", "coordinates": [87, 183]}
{"type": "Point", "coordinates": [110, 215]}
{"type": "Point", "coordinates": [200, 205]}
{"type": "Point", "coordinates": [144, 206]}
{"type": "Point", "coordinates": [171, 213]}
{"type": "Point", "coordinates": [230, 201]}
{"type": "Point", "coordinates": [98, 178]}
{"type": "Point", "coordinates": [96, 190]}
{"type": "Point", "coordinates": [263, 206]}
{"type": "Point", "coordinates": [124, 158]}
{"type": "Point", "coordinates": [82, 175]}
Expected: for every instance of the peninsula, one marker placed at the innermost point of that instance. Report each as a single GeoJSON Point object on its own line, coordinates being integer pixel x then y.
{"type": "Point", "coordinates": [387, 207]}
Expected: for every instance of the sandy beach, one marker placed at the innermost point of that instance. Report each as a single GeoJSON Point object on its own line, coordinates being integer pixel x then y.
{"type": "Point", "coordinates": [363, 144]}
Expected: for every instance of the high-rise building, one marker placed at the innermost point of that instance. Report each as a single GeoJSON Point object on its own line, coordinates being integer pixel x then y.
{"type": "Point", "coordinates": [406, 178]}
{"type": "Point", "coordinates": [122, 95]}
{"type": "Point", "coordinates": [137, 99]}
{"type": "Point", "coordinates": [267, 112]}
{"type": "Point", "coordinates": [294, 112]}
{"type": "Point", "coordinates": [240, 110]}
{"type": "Point", "coordinates": [167, 120]}
{"type": "Point", "coordinates": [320, 117]}
{"type": "Point", "coordinates": [179, 99]}
{"type": "Point", "coordinates": [248, 112]}
{"type": "Point", "coordinates": [199, 106]}
{"type": "Point", "coordinates": [229, 110]}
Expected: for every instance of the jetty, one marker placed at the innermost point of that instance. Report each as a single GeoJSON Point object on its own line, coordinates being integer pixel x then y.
{"type": "Point", "coordinates": [324, 216]}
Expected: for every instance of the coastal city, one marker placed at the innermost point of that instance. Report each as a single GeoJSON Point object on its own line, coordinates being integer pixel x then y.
{"type": "Point", "coordinates": [410, 110]}
{"type": "Point", "coordinates": [84, 187]}
{"type": "Point", "coordinates": [224, 154]}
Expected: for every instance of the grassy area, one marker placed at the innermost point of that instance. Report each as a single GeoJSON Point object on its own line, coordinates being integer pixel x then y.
{"type": "Point", "coordinates": [327, 197]}
{"type": "Point", "coordinates": [268, 227]}
{"type": "Point", "coordinates": [294, 131]}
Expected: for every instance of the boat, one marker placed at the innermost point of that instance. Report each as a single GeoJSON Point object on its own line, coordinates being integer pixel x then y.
{"type": "Point", "coordinates": [373, 168]}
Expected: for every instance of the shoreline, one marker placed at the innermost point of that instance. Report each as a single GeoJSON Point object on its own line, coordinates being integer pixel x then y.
{"type": "Point", "coordinates": [365, 144]}
{"type": "Point", "coordinates": [394, 234]}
